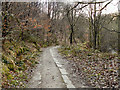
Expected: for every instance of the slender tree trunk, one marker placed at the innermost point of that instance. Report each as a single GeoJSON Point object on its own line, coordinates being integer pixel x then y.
{"type": "Point", "coordinates": [95, 40]}
{"type": "Point", "coordinates": [90, 32]}
{"type": "Point", "coordinates": [72, 28]}
{"type": "Point", "coordinates": [91, 29]}
{"type": "Point", "coordinates": [65, 37]}
{"type": "Point", "coordinates": [95, 28]}
{"type": "Point", "coordinates": [119, 45]}
{"type": "Point", "coordinates": [98, 40]}
{"type": "Point", "coordinates": [71, 35]}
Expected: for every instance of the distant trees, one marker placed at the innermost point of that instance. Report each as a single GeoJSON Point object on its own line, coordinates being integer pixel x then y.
{"type": "Point", "coordinates": [53, 21]}
{"type": "Point", "coordinates": [24, 19]}
{"type": "Point", "coordinates": [95, 13]}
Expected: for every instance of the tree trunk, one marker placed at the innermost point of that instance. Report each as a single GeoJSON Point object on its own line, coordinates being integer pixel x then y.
{"type": "Point", "coordinates": [90, 33]}
{"type": "Point", "coordinates": [71, 36]}
{"type": "Point", "coordinates": [98, 40]}
{"type": "Point", "coordinates": [95, 40]}
{"type": "Point", "coordinates": [119, 46]}
{"type": "Point", "coordinates": [95, 28]}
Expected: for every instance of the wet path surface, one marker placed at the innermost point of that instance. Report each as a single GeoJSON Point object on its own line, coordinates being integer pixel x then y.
{"type": "Point", "coordinates": [47, 74]}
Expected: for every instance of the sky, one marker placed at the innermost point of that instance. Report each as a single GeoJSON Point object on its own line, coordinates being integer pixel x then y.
{"type": "Point", "coordinates": [111, 8]}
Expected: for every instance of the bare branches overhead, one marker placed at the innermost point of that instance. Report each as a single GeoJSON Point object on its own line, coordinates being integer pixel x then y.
{"type": "Point", "coordinates": [106, 5]}
{"type": "Point", "coordinates": [91, 2]}
{"type": "Point", "coordinates": [111, 30]}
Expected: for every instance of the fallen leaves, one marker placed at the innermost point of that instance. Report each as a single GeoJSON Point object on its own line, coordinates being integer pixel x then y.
{"type": "Point", "coordinates": [96, 68]}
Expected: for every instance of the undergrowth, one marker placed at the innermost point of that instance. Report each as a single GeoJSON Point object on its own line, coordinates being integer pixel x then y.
{"type": "Point", "coordinates": [17, 58]}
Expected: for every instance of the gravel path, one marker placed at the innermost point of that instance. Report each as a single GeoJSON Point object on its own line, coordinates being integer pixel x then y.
{"type": "Point", "coordinates": [53, 72]}
{"type": "Point", "coordinates": [68, 65]}
{"type": "Point", "coordinates": [46, 74]}
{"type": "Point", "coordinates": [51, 77]}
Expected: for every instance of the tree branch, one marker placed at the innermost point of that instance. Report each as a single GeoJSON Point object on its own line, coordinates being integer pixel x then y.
{"type": "Point", "coordinates": [110, 30]}
{"type": "Point", "coordinates": [106, 5]}
{"type": "Point", "coordinates": [92, 2]}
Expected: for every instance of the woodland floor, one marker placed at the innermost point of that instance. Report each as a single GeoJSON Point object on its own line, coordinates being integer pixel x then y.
{"type": "Point", "coordinates": [56, 71]}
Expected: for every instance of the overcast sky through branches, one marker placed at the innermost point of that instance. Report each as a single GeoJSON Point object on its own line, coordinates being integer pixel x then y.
{"type": "Point", "coordinates": [111, 8]}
